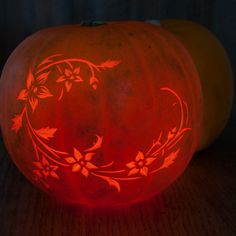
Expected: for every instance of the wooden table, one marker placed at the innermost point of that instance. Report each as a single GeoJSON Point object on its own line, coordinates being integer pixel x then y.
{"type": "Point", "coordinates": [201, 202]}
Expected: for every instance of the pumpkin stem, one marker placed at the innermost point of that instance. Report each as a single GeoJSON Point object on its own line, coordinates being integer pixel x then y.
{"type": "Point", "coordinates": [90, 23]}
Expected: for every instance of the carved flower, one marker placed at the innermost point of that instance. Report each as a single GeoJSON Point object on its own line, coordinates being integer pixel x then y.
{"type": "Point", "coordinates": [81, 163]}
{"type": "Point", "coordinates": [34, 89]}
{"type": "Point", "coordinates": [69, 77]}
{"type": "Point", "coordinates": [140, 164]}
{"type": "Point", "coordinates": [45, 169]}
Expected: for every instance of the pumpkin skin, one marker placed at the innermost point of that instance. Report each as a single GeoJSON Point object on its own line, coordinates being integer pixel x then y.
{"type": "Point", "coordinates": [105, 115]}
{"type": "Point", "coordinates": [215, 74]}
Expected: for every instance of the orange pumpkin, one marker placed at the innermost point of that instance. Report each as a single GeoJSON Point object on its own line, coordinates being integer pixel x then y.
{"type": "Point", "coordinates": [215, 73]}
{"type": "Point", "coordinates": [104, 115]}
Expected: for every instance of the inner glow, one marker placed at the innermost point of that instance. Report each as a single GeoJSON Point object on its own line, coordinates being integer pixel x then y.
{"type": "Point", "coordinates": [49, 160]}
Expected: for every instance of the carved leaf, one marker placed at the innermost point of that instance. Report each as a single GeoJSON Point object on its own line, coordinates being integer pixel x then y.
{"type": "Point", "coordinates": [33, 103]}
{"type": "Point", "coordinates": [111, 182]}
{"type": "Point", "coordinates": [23, 95]}
{"type": "Point", "coordinates": [93, 80]}
{"type": "Point", "coordinates": [17, 122]}
{"type": "Point", "coordinates": [170, 135]}
{"type": "Point", "coordinates": [44, 92]}
{"type": "Point", "coordinates": [169, 160]}
{"type": "Point", "coordinates": [85, 172]}
{"type": "Point", "coordinates": [109, 64]}
{"type": "Point", "coordinates": [68, 86]}
{"type": "Point", "coordinates": [174, 130]}
{"type": "Point", "coordinates": [54, 175]}
{"type": "Point", "coordinates": [140, 156]}
{"type": "Point", "coordinates": [30, 79]}
{"type": "Point", "coordinates": [46, 133]}
{"type": "Point", "coordinates": [96, 144]}
{"type": "Point", "coordinates": [41, 79]}
{"type": "Point", "coordinates": [62, 78]}
{"type": "Point", "coordinates": [144, 171]}
{"type": "Point", "coordinates": [68, 72]}
{"type": "Point", "coordinates": [131, 164]}
{"type": "Point", "coordinates": [77, 70]}
{"type": "Point", "coordinates": [133, 171]}
{"type": "Point", "coordinates": [48, 59]}
{"type": "Point", "coordinates": [155, 143]}
{"type": "Point", "coordinates": [114, 183]}
{"type": "Point", "coordinates": [77, 154]}
{"type": "Point", "coordinates": [70, 160]}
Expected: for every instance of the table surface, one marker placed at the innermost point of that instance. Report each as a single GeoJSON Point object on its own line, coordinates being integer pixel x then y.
{"type": "Point", "coordinates": [201, 202]}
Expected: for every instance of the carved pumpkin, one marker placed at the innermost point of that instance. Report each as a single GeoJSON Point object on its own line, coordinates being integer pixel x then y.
{"type": "Point", "coordinates": [104, 115]}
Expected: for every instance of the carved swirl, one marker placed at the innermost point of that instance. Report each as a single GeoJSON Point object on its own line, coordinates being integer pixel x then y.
{"type": "Point", "coordinates": [48, 160]}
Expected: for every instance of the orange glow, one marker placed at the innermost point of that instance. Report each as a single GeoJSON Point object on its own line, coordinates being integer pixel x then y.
{"type": "Point", "coordinates": [144, 163]}
{"type": "Point", "coordinates": [101, 131]}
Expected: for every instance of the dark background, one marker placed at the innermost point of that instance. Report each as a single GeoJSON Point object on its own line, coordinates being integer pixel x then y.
{"type": "Point", "coordinates": [201, 202]}
{"type": "Point", "coordinates": [20, 18]}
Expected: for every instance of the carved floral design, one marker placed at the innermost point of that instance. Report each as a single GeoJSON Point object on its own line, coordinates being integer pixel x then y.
{"type": "Point", "coordinates": [140, 165]}
{"type": "Point", "coordinates": [48, 160]}
{"type": "Point", "coordinates": [69, 76]}
{"type": "Point", "coordinates": [35, 89]}
{"type": "Point", "coordinates": [82, 163]}
{"type": "Point", "coordinates": [44, 169]}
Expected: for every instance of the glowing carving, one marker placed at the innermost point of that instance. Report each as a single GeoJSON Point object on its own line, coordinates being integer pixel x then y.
{"type": "Point", "coordinates": [82, 163]}
{"type": "Point", "coordinates": [35, 89]}
{"type": "Point", "coordinates": [48, 160]}
{"type": "Point", "coordinates": [70, 76]}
